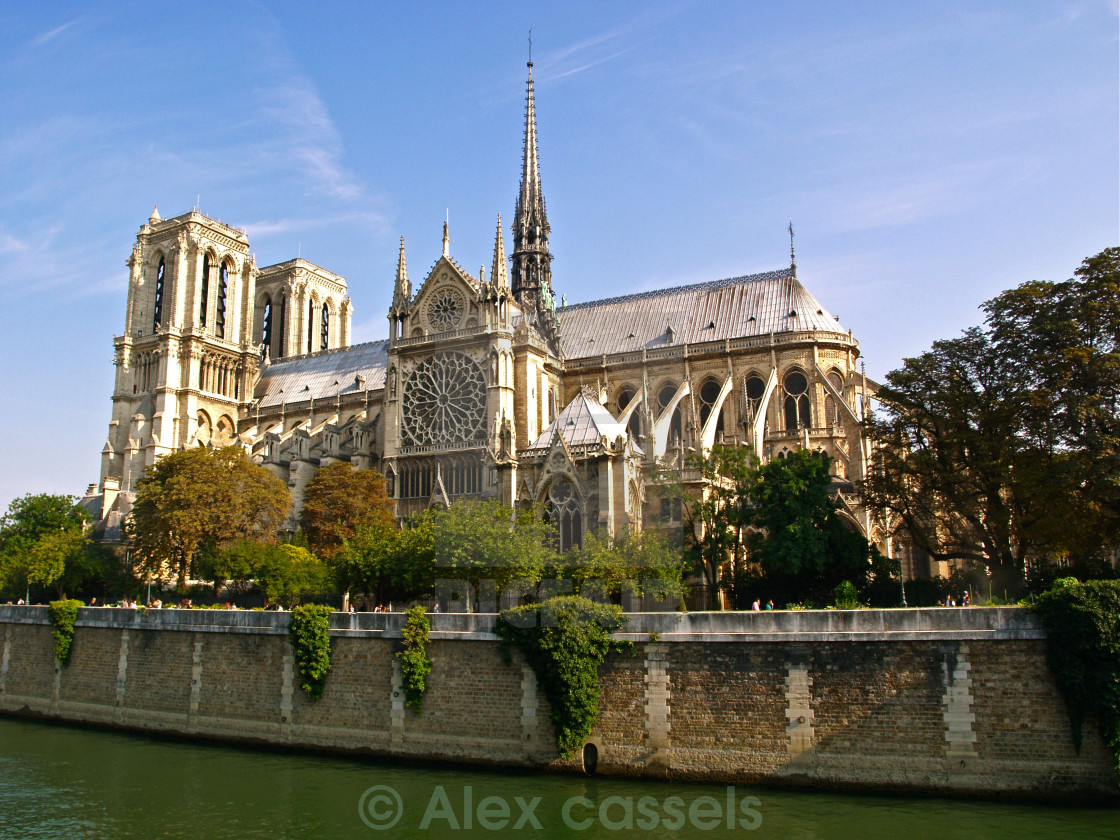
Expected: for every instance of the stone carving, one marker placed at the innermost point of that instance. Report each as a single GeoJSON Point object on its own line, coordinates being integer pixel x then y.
{"type": "Point", "coordinates": [444, 401]}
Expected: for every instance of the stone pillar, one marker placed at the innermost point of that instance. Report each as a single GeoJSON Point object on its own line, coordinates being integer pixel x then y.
{"type": "Point", "coordinates": [122, 675]}
{"type": "Point", "coordinates": [196, 684]}
{"type": "Point", "coordinates": [958, 717]}
{"type": "Point", "coordinates": [799, 712]}
{"type": "Point", "coordinates": [656, 697]}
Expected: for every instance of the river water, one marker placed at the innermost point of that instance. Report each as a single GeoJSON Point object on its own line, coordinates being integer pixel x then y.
{"type": "Point", "coordinates": [63, 782]}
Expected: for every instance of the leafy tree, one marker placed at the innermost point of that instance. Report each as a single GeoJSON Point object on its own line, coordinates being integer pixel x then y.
{"type": "Point", "coordinates": [43, 542]}
{"type": "Point", "coordinates": [290, 573]}
{"type": "Point", "coordinates": [645, 562]}
{"type": "Point", "coordinates": [338, 501]}
{"type": "Point", "coordinates": [485, 540]}
{"type": "Point", "coordinates": [200, 501]}
{"type": "Point", "coordinates": [1003, 445]}
{"type": "Point", "coordinates": [804, 548]}
{"type": "Point", "coordinates": [389, 562]}
{"type": "Point", "coordinates": [717, 532]}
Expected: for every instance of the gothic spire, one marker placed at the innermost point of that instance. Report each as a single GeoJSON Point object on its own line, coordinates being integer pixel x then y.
{"type": "Point", "coordinates": [499, 271]}
{"type": "Point", "coordinates": [531, 275]}
{"type": "Point", "coordinates": [402, 291]}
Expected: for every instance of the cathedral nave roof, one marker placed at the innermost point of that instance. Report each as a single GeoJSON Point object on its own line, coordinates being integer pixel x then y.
{"type": "Point", "coordinates": [324, 374]}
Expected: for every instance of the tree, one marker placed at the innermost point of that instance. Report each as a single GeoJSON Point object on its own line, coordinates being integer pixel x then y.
{"type": "Point", "coordinates": [200, 501]}
{"type": "Point", "coordinates": [1003, 445]}
{"type": "Point", "coordinates": [718, 522]}
{"type": "Point", "coordinates": [338, 501]}
{"type": "Point", "coordinates": [43, 542]}
{"type": "Point", "coordinates": [289, 573]}
{"type": "Point", "coordinates": [644, 562]}
{"type": "Point", "coordinates": [389, 562]}
{"type": "Point", "coordinates": [804, 548]}
{"type": "Point", "coordinates": [485, 540]}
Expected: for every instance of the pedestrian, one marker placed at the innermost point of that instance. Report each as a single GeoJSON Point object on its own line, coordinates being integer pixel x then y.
{"type": "Point", "coordinates": [756, 606]}
{"type": "Point", "coordinates": [770, 604]}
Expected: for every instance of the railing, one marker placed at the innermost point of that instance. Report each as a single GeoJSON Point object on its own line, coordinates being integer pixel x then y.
{"type": "Point", "coordinates": [440, 336]}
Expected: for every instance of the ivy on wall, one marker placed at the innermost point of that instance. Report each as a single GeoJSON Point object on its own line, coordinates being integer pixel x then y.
{"type": "Point", "coordinates": [311, 640]}
{"type": "Point", "coordinates": [565, 640]}
{"type": "Point", "coordinates": [1082, 622]}
{"type": "Point", "coordinates": [62, 616]}
{"type": "Point", "coordinates": [413, 656]}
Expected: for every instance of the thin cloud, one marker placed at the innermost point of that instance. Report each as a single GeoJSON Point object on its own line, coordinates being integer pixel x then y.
{"type": "Point", "coordinates": [44, 37]}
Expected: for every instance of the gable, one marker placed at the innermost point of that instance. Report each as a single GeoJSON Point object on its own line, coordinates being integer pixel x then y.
{"type": "Point", "coordinates": [447, 300]}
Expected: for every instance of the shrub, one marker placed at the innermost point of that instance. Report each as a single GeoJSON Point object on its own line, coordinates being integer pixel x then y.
{"type": "Point", "coordinates": [845, 596]}
{"type": "Point", "coordinates": [414, 659]}
{"type": "Point", "coordinates": [565, 640]}
{"type": "Point", "coordinates": [1082, 622]}
{"type": "Point", "coordinates": [311, 639]}
{"type": "Point", "coordinates": [62, 615]}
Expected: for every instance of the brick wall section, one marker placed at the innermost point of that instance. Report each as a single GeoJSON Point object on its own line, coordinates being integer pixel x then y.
{"type": "Point", "coordinates": [728, 709]}
{"type": "Point", "coordinates": [159, 671]}
{"type": "Point", "coordinates": [939, 701]}
{"type": "Point", "coordinates": [91, 676]}
{"type": "Point", "coordinates": [240, 676]}
{"type": "Point", "coordinates": [356, 696]}
{"type": "Point", "coordinates": [30, 667]}
{"type": "Point", "coordinates": [882, 697]}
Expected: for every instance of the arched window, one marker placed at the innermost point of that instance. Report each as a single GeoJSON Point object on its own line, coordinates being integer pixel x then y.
{"type": "Point", "coordinates": [797, 415]}
{"type": "Point", "coordinates": [281, 327]}
{"type": "Point", "coordinates": [625, 397]}
{"type": "Point", "coordinates": [563, 512]}
{"type": "Point", "coordinates": [223, 291]}
{"type": "Point", "coordinates": [266, 325]}
{"type": "Point", "coordinates": [157, 314]}
{"type": "Point", "coordinates": [204, 290]}
{"type": "Point", "coordinates": [755, 389]}
{"type": "Point", "coordinates": [709, 393]}
{"type": "Point", "coordinates": [310, 329]}
{"type": "Point", "coordinates": [324, 330]}
{"type": "Point", "coordinates": [831, 409]}
{"type": "Point", "coordinates": [664, 397]}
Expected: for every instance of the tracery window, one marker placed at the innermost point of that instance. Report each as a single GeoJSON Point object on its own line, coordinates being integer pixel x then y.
{"type": "Point", "coordinates": [755, 389]}
{"type": "Point", "coordinates": [625, 397]}
{"type": "Point", "coordinates": [831, 409]}
{"type": "Point", "coordinates": [204, 292]}
{"type": "Point", "coordinates": [562, 511]}
{"type": "Point", "coordinates": [444, 401]}
{"type": "Point", "coordinates": [709, 393]}
{"type": "Point", "coordinates": [157, 314]}
{"type": "Point", "coordinates": [664, 397]}
{"type": "Point", "coordinates": [223, 291]}
{"type": "Point", "coordinates": [797, 414]}
{"type": "Point", "coordinates": [324, 329]}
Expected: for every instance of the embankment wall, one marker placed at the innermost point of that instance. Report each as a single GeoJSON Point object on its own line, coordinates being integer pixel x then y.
{"type": "Point", "coordinates": [956, 701]}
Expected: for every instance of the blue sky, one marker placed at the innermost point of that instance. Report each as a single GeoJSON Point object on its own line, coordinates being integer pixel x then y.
{"type": "Point", "coordinates": [929, 154]}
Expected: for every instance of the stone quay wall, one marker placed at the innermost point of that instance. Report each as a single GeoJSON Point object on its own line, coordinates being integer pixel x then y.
{"type": "Point", "coordinates": [943, 701]}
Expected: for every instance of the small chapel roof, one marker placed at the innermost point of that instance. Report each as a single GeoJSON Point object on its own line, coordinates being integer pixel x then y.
{"type": "Point", "coordinates": [583, 421]}
{"type": "Point", "coordinates": [324, 374]}
{"type": "Point", "coordinates": [737, 307]}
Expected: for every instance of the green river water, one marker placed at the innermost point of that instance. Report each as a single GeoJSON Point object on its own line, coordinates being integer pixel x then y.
{"type": "Point", "coordinates": [64, 782]}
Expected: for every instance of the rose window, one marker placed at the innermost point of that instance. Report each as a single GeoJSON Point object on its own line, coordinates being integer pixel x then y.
{"type": "Point", "coordinates": [444, 401]}
{"type": "Point", "coordinates": [445, 310]}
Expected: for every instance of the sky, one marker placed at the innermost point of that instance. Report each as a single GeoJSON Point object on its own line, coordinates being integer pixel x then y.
{"type": "Point", "coordinates": [929, 155]}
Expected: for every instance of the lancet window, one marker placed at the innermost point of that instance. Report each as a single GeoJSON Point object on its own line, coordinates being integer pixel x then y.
{"type": "Point", "coordinates": [797, 413]}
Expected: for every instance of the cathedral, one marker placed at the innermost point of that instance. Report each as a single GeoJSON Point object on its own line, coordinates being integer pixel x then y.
{"type": "Point", "coordinates": [486, 387]}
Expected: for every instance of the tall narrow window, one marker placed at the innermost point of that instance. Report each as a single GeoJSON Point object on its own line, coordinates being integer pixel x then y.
{"type": "Point", "coordinates": [204, 290]}
{"type": "Point", "coordinates": [310, 329]}
{"type": "Point", "coordinates": [324, 330]}
{"type": "Point", "coordinates": [664, 397]}
{"type": "Point", "coordinates": [157, 315]}
{"type": "Point", "coordinates": [831, 409]}
{"type": "Point", "coordinates": [266, 325]}
{"type": "Point", "coordinates": [564, 513]}
{"type": "Point", "coordinates": [281, 327]}
{"type": "Point", "coordinates": [756, 388]}
{"type": "Point", "coordinates": [624, 399]}
{"type": "Point", "coordinates": [797, 415]}
{"type": "Point", "coordinates": [709, 393]}
{"type": "Point", "coordinates": [220, 312]}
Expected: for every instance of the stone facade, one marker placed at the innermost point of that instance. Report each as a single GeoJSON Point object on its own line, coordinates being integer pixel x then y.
{"type": "Point", "coordinates": [487, 387]}
{"type": "Point", "coordinates": [938, 701]}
